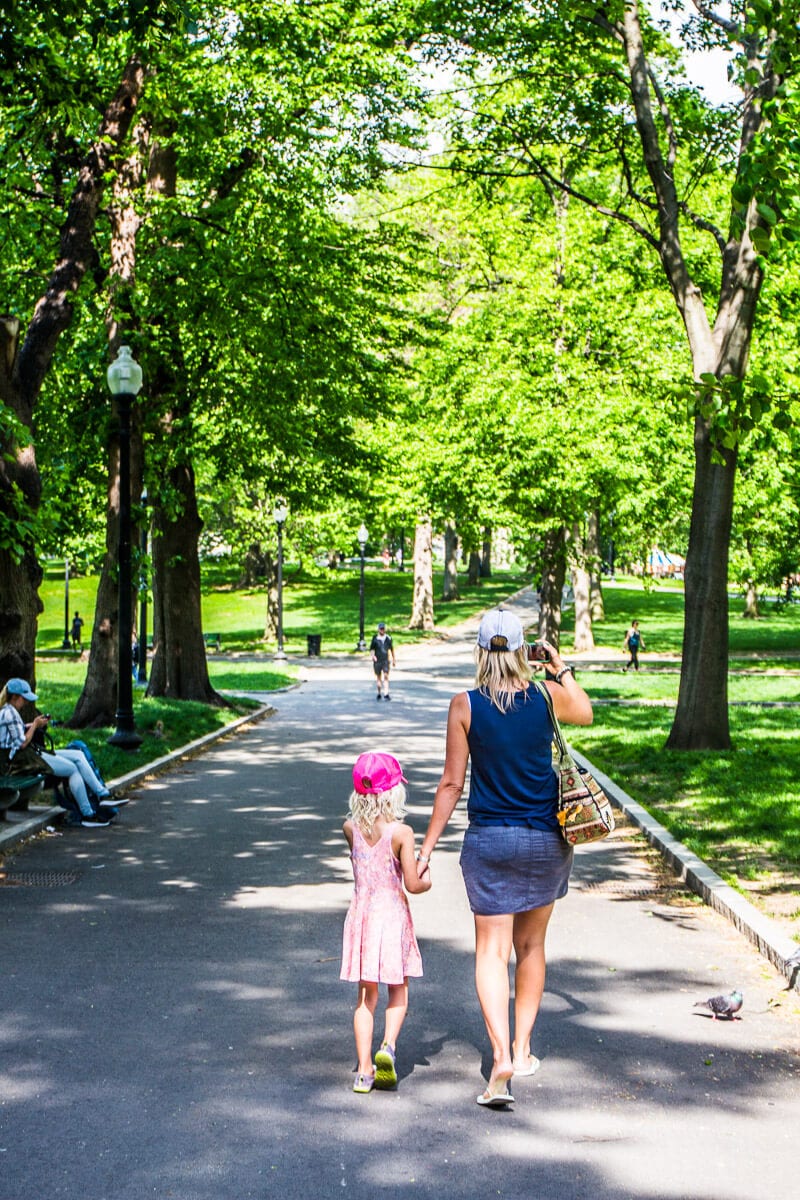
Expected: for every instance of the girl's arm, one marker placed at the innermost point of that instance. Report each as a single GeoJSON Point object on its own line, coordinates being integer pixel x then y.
{"type": "Point", "coordinates": [403, 847]}
{"type": "Point", "coordinates": [347, 830]}
{"type": "Point", "coordinates": [451, 785]}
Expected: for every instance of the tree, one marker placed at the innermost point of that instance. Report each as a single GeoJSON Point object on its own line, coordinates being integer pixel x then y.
{"type": "Point", "coordinates": [615, 88]}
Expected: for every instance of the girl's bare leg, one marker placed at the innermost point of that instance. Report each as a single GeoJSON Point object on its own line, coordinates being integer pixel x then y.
{"type": "Point", "coordinates": [364, 1024]}
{"type": "Point", "coordinates": [396, 1010]}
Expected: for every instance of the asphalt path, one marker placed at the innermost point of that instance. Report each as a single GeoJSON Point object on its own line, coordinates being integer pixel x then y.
{"type": "Point", "coordinates": [173, 1025]}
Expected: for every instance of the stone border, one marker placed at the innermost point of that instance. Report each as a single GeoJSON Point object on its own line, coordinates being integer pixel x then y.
{"type": "Point", "coordinates": [12, 832]}
{"type": "Point", "coordinates": [766, 935]}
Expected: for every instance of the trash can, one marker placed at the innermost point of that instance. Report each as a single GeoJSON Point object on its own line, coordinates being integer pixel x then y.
{"type": "Point", "coordinates": [314, 641]}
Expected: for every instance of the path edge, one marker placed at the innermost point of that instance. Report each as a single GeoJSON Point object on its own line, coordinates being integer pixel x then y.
{"type": "Point", "coordinates": [767, 936]}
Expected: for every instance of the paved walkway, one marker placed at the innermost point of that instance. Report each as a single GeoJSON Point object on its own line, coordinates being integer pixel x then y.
{"type": "Point", "coordinates": [173, 1024]}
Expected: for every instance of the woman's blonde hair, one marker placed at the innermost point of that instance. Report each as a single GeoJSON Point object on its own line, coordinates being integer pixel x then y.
{"type": "Point", "coordinates": [365, 810]}
{"type": "Point", "coordinates": [501, 673]}
{"type": "Point", "coordinates": [3, 696]}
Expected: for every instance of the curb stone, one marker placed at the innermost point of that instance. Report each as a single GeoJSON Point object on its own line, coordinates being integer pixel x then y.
{"type": "Point", "coordinates": [763, 932]}
{"type": "Point", "coordinates": [17, 832]}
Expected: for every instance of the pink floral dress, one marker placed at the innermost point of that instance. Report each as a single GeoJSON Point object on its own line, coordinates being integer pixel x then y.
{"type": "Point", "coordinates": [379, 945]}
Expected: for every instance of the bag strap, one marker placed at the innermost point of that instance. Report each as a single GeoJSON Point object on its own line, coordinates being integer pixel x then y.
{"type": "Point", "coordinates": [558, 736]}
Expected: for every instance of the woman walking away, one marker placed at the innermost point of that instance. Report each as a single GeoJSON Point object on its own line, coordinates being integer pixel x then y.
{"type": "Point", "coordinates": [379, 945]}
{"type": "Point", "coordinates": [634, 642]}
{"type": "Point", "coordinates": [514, 859]}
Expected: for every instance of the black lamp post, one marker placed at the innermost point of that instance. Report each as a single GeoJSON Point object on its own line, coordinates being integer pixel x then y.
{"type": "Point", "coordinates": [65, 645]}
{"type": "Point", "coordinates": [279, 514]}
{"type": "Point", "coordinates": [141, 670]}
{"type": "Point", "coordinates": [362, 536]}
{"type": "Point", "coordinates": [124, 380]}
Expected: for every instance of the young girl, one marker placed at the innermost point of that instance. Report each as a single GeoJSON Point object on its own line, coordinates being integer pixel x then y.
{"type": "Point", "coordinates": [379, 945]}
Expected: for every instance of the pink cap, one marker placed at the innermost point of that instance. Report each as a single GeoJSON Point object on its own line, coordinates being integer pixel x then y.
{"type": "Point", "coordinates": [375, 772]}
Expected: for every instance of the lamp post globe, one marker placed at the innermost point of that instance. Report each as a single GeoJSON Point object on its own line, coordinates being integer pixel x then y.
{"type": "Point", "coordinates": [362, 537]}
{"type": "Point", "coordinates": [124, 381]}
{"type": "Point", "coordinates": [279, 515]}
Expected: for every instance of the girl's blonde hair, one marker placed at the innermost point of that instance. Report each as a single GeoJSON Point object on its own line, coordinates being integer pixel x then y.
{"type": "Point", "coordinates": [501, 673]}
{"type": "Point", "coordinates": [365, 810]}
{"type": "Point", "coordinates": [3, 696]}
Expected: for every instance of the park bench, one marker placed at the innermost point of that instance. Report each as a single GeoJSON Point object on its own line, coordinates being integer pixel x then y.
{"type": "Point", "coordinates": [213, 639]}
{"type": "Point", "coordinates": [17, 790]}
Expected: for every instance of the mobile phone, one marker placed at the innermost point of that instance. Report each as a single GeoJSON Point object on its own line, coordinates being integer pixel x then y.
{"type": "Point", "coordinates": [537, 653]}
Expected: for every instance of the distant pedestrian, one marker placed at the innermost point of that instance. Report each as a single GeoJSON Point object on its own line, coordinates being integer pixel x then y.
{"type": "Point", "coordinates": [75, 632]}
{"type": "Point", "coordinates": [634, 642]}
{"type": "Point", "coordinates": [382, 649]}
{"type": "Point", "coordinates": [379, 944]}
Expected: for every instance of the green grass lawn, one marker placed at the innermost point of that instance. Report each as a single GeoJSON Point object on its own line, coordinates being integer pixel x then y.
{"type": "Point", "coordinates": [738, 809]}
{"type": "Point", "coordinates": [660, 611]}
{"type": "Point", "coordinates": [323, 603]}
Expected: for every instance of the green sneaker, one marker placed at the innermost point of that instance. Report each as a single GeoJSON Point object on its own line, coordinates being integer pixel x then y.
{"type": "Point", "coordinates": [385, 1071]}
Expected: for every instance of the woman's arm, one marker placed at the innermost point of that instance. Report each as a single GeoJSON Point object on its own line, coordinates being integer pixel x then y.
{"type": "Point", "coordinates": [403, 847]}
{"type": "Point", "coordinates": [451, 785]}
{"type": "Point", "coordinates": [570, 701]}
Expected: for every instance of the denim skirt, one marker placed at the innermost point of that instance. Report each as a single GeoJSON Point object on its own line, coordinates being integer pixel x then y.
{"type": "Point", "coordinates": [512, 869]}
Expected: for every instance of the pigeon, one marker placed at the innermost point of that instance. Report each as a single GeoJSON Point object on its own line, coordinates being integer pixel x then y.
{"type": "Point", "coordinates": [723, 1006]}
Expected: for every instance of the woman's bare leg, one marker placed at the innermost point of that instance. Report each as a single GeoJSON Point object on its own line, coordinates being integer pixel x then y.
{"type": "Point", "coordinates": [493, 940]}
{"type": "Point", "coordinates": [530, 930]}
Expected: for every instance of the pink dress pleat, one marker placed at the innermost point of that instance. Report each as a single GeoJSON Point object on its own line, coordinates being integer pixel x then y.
{"type": "Point", "coordinates": [379, 945]}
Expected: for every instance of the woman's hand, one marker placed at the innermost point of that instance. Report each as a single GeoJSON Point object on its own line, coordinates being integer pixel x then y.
{"type": "Point", "coordinates": [555, 663]}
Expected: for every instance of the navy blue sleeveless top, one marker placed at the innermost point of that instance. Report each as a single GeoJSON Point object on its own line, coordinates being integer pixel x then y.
{"type": "Point", "coordinates": [512, 780]}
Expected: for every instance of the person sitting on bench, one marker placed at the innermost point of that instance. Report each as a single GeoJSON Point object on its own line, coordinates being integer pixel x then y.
{"type": "Point", "coordinates": [16, 739]}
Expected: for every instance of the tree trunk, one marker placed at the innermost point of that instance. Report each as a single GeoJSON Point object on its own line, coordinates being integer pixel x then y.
{"type": "Point", "coordinates": [584, 638]}
{"type": "Point", "coordinates": [751, 602]}
{"type": "Point", "coordinates": [701, 717]}
{"type": "Point", "coordinates": [422, 607]}
{"type": "Point", "coordinates": [486, 554]}
{"type": "Point", "coordinates": [450, 586]}
{"type": "Point", "coordinates": [554, 569]}
{"type": "Point", "coordinates": [179, 669]}
{"type": "Point", "coordinates": [474, 568]}
{"type": "Point", "coordinates": [19, 579]}
{"type": "Point", "coordinates": [254, 567]}
{"type": "Point", "coordinates": [23, 369]}
{"type": "Point", "coordinates": [597, 606]}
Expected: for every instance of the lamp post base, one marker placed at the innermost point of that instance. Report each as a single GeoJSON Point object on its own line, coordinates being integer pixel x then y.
{"type": "Point", "coordinates": [66, 644]}
{"type": "Point", "coordinates": [125, 739]}
{"type": "Point", "coordinates": [362, 645]}
{"type": "Point", "coordinates": [279, 656]}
